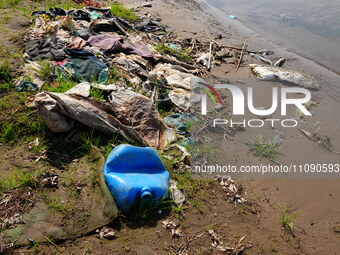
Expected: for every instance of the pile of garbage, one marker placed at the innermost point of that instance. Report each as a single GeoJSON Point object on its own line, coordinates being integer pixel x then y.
{"type": "Point", "coordinates": [115, 75]}
{"type": "Point", "coordinates": [90, 50]}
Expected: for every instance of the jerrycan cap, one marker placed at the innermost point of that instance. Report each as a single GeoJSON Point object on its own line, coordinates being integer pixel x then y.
{"type": "Point", "coordinates": [145, 194]}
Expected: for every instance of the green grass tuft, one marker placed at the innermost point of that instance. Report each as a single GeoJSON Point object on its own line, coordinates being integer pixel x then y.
{"type": "Point", "coordinates": [87, 140]}
{"type": "Point", "coordinates": [61, 86]}
{"type": "Point", "coordinates": [9, 133]}
{"type": "Point", "coordinates": [180, 54]}
{"type": "Point", "coordinates": [64, 4]}
{"type": "Point", "coordinates": [5, 103]}
{"type": "Point", "coordinates": [97, 93]}
{"type": "Point", "coordinates": [20, 125]}
{"type": "Point", "coordinates": [287, 218]}
{"type": "Point", "coordinates": [46, 70]}
{"type": "Point", "coordinates": [20, 179]}
{"type": "Point", "coordinates": [120, 11]}
{"type": "Point", "coordinates": [56, 205]}
{"type": "Point", "coordinates": [8, 3]}
{"type": "Point", "coordinates": [114, 75]}
{"type": "Point", "coordinates": [263, 149]}
{"type": "Point", "coordinates": [5, 77]}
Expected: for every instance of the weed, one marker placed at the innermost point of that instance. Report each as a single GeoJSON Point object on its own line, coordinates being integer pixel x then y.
{"type": "Point", "coordinates": [46, 70]}
{"type": "Point", "coordinates": [177, 209]}
{"type": "Point", "coordinates": [120, 11]}
{"type": "Point", "coordinates": [20, 127]}
{"type": "Point", "coordinates": [198, 205]}
{"type": "Point", "coordinates": [18, 54]}
{"type": "Point", "coordinates": [36, 148]}
{"type": "Point", "coordinates": [164, 107]}
{"type": "Point", "coordinates": [64, 4]}
{"type": "Point", "coordinates": [62, 150]}
{"type": "Point", "coordinates": [109, 146]}
{"type": "Point", "coordinates": [56, 205]}
{"type": "Point", "coordinates": [169, 159]}
{"type": "Point", "coordinates": [4, 71]}
{"type": "Point", "coordinates": [7, 184]}
{"type": "Point", "coordinates": [239, 127]}
{"type": "Point", "coordinates": [8, 3]}
{"type": "Point", "coordinates": [114, 75]}
{"type": "Point", "coordinates": [20, 179]}
{"type": "Point", "coordinates": [63, 82]}
{"type": "Point", "coordinates": [27, 179]}
{"type": "Point", "coordinates": [20, 97]}
{"type": "Point", "coordinates": [9, 133]}
{"type": "Point", "coordinates": [5, 103]}
{"type": "Point", "coordinates": [88, 140]}
{"type": "Point", "coordinates": [86, 217]}
{"type": "Point", "coordinates": [194, 188]}
{"type": "Point", "coordinates": [97, 93]}
{"type": "Point", "coordinates": [181, 54]}
{"type": "Point", "coordinates": [6, 17]}
{"type": "Point", "coordinates": [143, 211]}
{"type": "Point", "coordinates": [287, 218]}
{"type": "Point", "coordinates": [61, 86]}
{"type": "Point", "coordinates": [203, 150]}
{"type": "Point", "coordinates": [5, 87]}
{"type": "Point", "coordinates": [36, 126]}
{"type": "Point", "coordinates": [263, 149]}
{"type": "Point", "coordinates": [94, 181]}
{"type": "Point", "coordinates": [183, 180]}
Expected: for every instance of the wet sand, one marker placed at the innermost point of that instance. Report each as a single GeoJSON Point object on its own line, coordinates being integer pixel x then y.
{"type": "Point", "coordinates": [309, 28]}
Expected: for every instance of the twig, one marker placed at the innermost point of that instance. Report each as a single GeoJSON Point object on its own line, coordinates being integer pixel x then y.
{"type": "Point", "coordinates": [32, 112]}
{"type": "Point", "coordinates": [153, 96]}
{"type": "Point", "coordinates": [241, 56]}
{"type": "Point", "coordinates": [213, 41]}
{"type": "Point", "coordinates": [236, 48]}
{"type": "Point", "coordinates": [226, 46]}
{"type": "Point", "coordinates": [120, 27]}
{"type": "Point", "coordinates": [49, 240]}
{"type": "Point", "coordinates": [209, 60]}
{"type": "Point", "coordinates": [175, 62]}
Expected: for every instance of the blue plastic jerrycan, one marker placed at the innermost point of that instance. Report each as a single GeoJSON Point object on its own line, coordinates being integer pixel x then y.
{"type": "Point", "coordinates": [135, 174]}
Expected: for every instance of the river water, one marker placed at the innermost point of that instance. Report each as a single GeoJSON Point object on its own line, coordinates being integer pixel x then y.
{"type": "Point", "coordinates": [310, 28]}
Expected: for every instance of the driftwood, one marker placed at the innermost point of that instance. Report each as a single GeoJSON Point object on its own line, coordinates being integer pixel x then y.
{"type": "Point", "coordinates": [172, 61]}
{"type": "Point", "coordinates": [121, 29]}
{"type": "Point", "coordinates": [223, 46]}
{"type": "Point", "coordinates": [241, 56]}
{"type": "Point", "coordinates": [209, 61]}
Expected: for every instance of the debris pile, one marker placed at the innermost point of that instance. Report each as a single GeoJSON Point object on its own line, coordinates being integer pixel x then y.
{"type": "Point", "coordinates": [216, 241]}
{"type": "Point", "coordinates": [14, 205]}
{"type": "Point", "coordinates": [50, 179]}
{"type": "Point", "coordinates": [105, 232]}
{"type": "Point", "coordinates": [173, 227]}
{"type": "Point", "coordinates": [94, 69]}
{"type": "Point", "coordinates": [263, 55]}
{"type": "Point", "coordinates": [234, 191]}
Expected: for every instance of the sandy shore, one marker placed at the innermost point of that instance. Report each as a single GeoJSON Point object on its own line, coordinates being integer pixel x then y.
{"type": "Point", "coordinates": [317, 198]}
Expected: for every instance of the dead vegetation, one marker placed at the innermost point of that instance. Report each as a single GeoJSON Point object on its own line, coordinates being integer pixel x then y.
{"type": "Point", "coordinates": [14, 204]}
